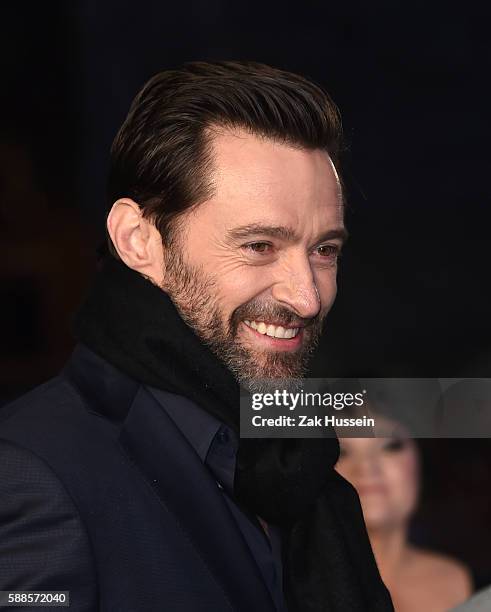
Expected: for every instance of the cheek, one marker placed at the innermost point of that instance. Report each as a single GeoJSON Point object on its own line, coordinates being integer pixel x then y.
{"type": "Point", "coordinates": [327, 287]}
{"type": "Point", "coordinates": [403, 479]}
{"type": "Point", "coordinates": [233, 289]}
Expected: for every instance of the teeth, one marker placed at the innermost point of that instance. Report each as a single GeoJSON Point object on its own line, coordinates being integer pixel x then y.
{"type": "Point", "coordinates": [272, 330]}
{"type": "Point", "coordinates": [261, 328]}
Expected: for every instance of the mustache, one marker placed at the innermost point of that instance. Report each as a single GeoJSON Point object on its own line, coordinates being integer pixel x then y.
{"type": "Point", "coordinates": [256, 310]}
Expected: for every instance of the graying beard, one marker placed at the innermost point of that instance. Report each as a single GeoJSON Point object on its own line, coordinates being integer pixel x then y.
{"type": "Point", "coordinates": [192, 297]}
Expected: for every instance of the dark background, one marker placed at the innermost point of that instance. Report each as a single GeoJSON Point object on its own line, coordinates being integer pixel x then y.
{"type": "Point", "coordinates": [412, 83]}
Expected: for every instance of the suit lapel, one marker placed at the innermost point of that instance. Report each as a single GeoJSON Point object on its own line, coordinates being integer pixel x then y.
{"type": "Point", "coordinates": [173, 469]}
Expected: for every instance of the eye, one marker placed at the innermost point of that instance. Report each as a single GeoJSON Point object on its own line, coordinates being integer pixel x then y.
{"type": "Point", "coordinates": [394, 445]}
{"type": "Point", "coordinates": [258, 247]}
{"type": "Point", "coordinates": [328, 251]}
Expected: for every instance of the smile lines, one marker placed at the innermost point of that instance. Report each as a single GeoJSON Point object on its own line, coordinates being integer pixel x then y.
{"type": "Point", "coordinates": [274, 331]}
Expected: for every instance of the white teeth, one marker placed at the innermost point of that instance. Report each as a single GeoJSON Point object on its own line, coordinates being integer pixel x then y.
{"type": "Point", "coordinates": [272, 330]}
{"type": "Point", "coordinates": [261, 328]}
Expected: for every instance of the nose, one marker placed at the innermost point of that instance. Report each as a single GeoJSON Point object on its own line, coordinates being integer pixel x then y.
{"type": "Point", "coordinates": [367, 467]}
{"type": "Point", "coordinates": [297, 290]}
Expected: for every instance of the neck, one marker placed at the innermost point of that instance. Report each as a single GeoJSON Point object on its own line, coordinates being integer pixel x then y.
{"type": "Point", "coordinates": [389, 545]}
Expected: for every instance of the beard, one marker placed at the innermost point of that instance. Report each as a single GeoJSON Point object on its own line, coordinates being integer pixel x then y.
{"type": "Point", "coordinates": [194, 296]}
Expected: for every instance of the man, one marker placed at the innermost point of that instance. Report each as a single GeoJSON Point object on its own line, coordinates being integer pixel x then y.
{"type": "Point", "coordinates": [124, 480]}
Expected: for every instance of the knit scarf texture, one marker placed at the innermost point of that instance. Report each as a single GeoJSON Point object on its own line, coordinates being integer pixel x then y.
{"type": "Point", "coordinates": [328, 564]}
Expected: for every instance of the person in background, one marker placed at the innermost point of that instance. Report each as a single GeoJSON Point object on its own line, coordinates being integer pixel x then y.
{"type": "Point", "coordinates": [386, 474]}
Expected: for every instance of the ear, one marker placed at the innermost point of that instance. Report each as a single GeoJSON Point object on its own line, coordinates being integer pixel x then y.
{"type": "Point", "coordinates": [136, 239]}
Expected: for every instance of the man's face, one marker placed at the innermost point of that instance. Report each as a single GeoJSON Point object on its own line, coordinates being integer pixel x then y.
{"type": "Point", "coordinates": [253, 269]}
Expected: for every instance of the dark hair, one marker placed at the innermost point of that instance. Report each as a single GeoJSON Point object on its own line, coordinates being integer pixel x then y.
{"type": "Point", "coordinates": [161, 156]}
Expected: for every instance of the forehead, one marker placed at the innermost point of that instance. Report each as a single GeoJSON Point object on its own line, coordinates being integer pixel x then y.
{"type": "Point", "coordinates": [260, 176]}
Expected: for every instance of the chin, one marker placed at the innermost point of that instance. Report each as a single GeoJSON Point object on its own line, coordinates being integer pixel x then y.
{"type": "Point", "coordinates": [270, 385]}
{"type": "Point", "coordinates": [377, 523]}
{"type": "Point", "coordinates": [377, 517]}
{"type": "Point", "coordinates": [383, 518]}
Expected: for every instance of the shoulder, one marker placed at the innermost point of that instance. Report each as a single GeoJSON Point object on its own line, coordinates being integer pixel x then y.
{"type": "Point", "coordinates": [88, 389]}
{"type": "Point", "coordinates": [53, 415]}
{"type": "Point", "coordinates": [40, 403]}
{"type": "Point", "coordinates": [443, 573]}
{"type": "Point", "coordinates": [439, 565]}
{"type": "Point", "coordinates": [59, 427]}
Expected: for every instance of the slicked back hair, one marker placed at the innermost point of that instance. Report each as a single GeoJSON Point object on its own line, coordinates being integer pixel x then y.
{"type": "Point", "coordinates": [162, 154]}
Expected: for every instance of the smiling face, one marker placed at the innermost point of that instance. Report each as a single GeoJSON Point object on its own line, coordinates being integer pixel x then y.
{"type": "Point", "coordinates": [385, 473]}
{"type": "Point", "coordinates": [253, 269]}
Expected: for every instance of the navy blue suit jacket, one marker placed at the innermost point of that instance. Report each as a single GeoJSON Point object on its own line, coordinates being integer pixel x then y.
{"type": "Point", "coordinates": [101, 495]}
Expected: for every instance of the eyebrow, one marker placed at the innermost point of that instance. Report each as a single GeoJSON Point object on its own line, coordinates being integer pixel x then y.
{"type": "Point", "coordinates": [283, 232]}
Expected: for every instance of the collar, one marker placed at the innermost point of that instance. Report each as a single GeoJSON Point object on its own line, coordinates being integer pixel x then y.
{"type": "Point", "coordinates": [215, 443]}
{"type": "Point", "coordinates": [198, 427]}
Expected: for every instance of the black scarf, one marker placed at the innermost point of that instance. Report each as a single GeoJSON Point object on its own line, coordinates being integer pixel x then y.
{"type": "Point", "coordinates": [328, 562]}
